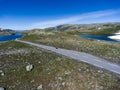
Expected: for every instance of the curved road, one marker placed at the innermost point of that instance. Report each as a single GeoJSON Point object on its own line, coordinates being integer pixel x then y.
{"type": "Point", "coordinates": [90, 59]}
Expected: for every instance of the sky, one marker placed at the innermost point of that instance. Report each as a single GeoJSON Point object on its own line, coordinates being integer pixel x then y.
{"type": "Point", "coordinates": [30, 14]}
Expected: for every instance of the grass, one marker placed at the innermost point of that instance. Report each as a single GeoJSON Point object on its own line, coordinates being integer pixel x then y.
{"type": "Point", "coordinates": [95, 31]}
{"type": "Point", "coordinates": [107, 50]}
{"type": "Point", "coordinates": [107, 31]}
{"type": "Point", "coordinates": [52, 71]}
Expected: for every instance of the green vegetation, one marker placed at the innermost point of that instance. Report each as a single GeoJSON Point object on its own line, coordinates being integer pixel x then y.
{"type": "Point", "coordinates": [56, 72]}
{"type": "Point", "coordinates": [94, 29]}
{"type": "Point", "coordinates": [107, 31]}
{"type": "Point", "coordinates": [52, 71]}
{"type": "Point", "coordinates": [107, 50]}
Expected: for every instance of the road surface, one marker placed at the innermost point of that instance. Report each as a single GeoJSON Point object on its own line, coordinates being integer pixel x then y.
{"type": "Point", "coordinates": [80, 56]}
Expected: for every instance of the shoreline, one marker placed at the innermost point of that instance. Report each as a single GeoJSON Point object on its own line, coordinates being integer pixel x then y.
{"type": "Point", "coordinates": [116, 36]}
{"type": "Point", "coordinates": [11, 37]}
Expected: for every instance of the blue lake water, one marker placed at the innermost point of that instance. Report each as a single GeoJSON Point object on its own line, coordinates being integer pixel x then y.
{"type": "Point", "coordinates": [10, 37]}
{"type": "Point", "coordinates": [105, 38]}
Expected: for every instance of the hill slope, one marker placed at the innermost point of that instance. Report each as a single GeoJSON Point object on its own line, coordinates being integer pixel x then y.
{"type": "Point", "coordinates": [6, 32]}
{"type": "Point", "coordinates": [98, 28]}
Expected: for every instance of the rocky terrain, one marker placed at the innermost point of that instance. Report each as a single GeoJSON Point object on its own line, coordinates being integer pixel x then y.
{"type": "Point", "coordinates": [24, 67]}
{"type": "Point", "coordinates": [31, 68]}
{"type": "Point", "coordinates": [107, 50]}
{"type": "Point", "coordinates": [105, 28]}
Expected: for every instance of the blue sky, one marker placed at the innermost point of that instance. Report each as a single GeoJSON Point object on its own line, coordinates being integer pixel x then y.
{"type": "Point", "coordinates": [29, 14]}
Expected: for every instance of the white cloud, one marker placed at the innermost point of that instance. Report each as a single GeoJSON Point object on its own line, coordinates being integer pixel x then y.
{"type": "Point", "coordinates": [74, 19]}
{"type": "Point", "coordinates": [92, 17]}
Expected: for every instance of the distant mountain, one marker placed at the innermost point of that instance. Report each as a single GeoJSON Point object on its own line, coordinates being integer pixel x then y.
{"type": "Point", "coordinates": [81, 27]}
{"type": "Point", "coordinates": [6, 32]}
{"type": "Point", "coordinates": [94, 29]}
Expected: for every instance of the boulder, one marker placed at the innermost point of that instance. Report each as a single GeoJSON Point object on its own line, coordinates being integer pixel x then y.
{"type": "Point", "coordinates": [40, 87]}
{"type": "Point", "coordinates": [1, 88]}
{"type": "Point", "coordinates": [29, 67]}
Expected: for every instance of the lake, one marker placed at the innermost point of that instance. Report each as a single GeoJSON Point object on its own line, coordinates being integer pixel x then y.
{"type": "Point", "coordinates": [97, 37]}
{"type": "Point", "coordinates": [10, 37]}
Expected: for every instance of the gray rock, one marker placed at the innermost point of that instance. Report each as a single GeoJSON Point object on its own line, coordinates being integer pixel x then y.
{"type": "Point", "coordinates": [40, 87]}
{"type": "Point", "coordinates": [67, 72]}
{"type": "Point", "coordinates": [1, 88]}
{"type": "Point", "coordinates": [2, 74]}
{"type": "Point", "coordinates": [63, 83]}
{"type": "Point", "coordinates": [60, 78]}
{"type": "Point", "coordinates": [29, 67]}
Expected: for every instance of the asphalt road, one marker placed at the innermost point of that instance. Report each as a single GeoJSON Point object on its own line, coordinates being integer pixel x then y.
{"type": "Point", "coordinates": [80, 56]}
